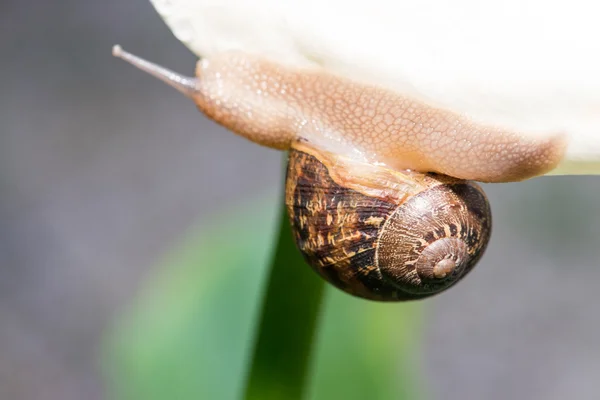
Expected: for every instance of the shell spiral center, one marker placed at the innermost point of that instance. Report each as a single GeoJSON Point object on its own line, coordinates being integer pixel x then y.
{"type": "Point", "coordinates": [443, 259]}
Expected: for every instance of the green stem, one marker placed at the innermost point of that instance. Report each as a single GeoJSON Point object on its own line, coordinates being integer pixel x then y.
{"type": "Point", "coordinates": [290, 311]}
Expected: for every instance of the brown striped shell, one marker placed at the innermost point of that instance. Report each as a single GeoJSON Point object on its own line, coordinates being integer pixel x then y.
{"type": "Point", "coordinates": [381, 234]}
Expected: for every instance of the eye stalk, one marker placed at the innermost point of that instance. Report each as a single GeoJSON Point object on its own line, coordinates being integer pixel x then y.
{"type": "Point", "coordinates": [183, 84]}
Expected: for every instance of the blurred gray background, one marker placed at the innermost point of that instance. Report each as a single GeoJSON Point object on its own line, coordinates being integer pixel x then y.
{"type": "Point", "coordinates": [102, 169]}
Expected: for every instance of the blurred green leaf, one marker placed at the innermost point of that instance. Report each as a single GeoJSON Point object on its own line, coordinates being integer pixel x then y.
{"type": "Point", "coordinates": [367, 350]}
{"type": "Point", "coordinates": [288, 325]}
{"type": "Point", "coordinates": [190, 332]}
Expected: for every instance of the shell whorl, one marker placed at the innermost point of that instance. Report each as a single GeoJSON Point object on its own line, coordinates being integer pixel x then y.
{"type": "Point", "coordinates": [382, 234]}
{"type": "Point", "coordinates": [435, 237]}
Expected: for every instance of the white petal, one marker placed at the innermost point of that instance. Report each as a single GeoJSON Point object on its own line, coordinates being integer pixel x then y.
{"type": "Point", "coordinates": [527, 65]}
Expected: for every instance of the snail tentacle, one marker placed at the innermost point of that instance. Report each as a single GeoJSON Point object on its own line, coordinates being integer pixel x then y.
{"type": "Point", "coordinates": [184, 84]}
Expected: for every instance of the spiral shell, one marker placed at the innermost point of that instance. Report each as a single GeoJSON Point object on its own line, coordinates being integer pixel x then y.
{"type": "Point", "coordinates": [381, 234]}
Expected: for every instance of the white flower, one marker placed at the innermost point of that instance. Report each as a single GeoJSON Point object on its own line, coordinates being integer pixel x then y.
{"type": "Point", "coordinates": [524, 65]}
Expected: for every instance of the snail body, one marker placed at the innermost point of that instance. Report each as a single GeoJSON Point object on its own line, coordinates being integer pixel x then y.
{"type": "Point", "coordinates": [388, 220]}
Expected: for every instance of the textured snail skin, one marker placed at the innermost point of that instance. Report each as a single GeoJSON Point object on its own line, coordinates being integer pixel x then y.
{"type": "Point", "coordinates": [381, 245]}
{"type": "Point", "coordinates": [276, 105]}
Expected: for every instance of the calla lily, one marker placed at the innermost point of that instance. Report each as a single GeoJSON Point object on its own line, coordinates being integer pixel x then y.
{"type": "Point", "coordinates": [526, 66]}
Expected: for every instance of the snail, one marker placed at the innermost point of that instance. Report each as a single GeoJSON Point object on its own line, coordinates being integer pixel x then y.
{"type": "Point", "coordinates": [380, 188]}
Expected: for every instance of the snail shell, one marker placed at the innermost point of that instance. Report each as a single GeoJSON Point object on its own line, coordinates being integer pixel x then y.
{"type": "Point", "coordinates": [411, 237]}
